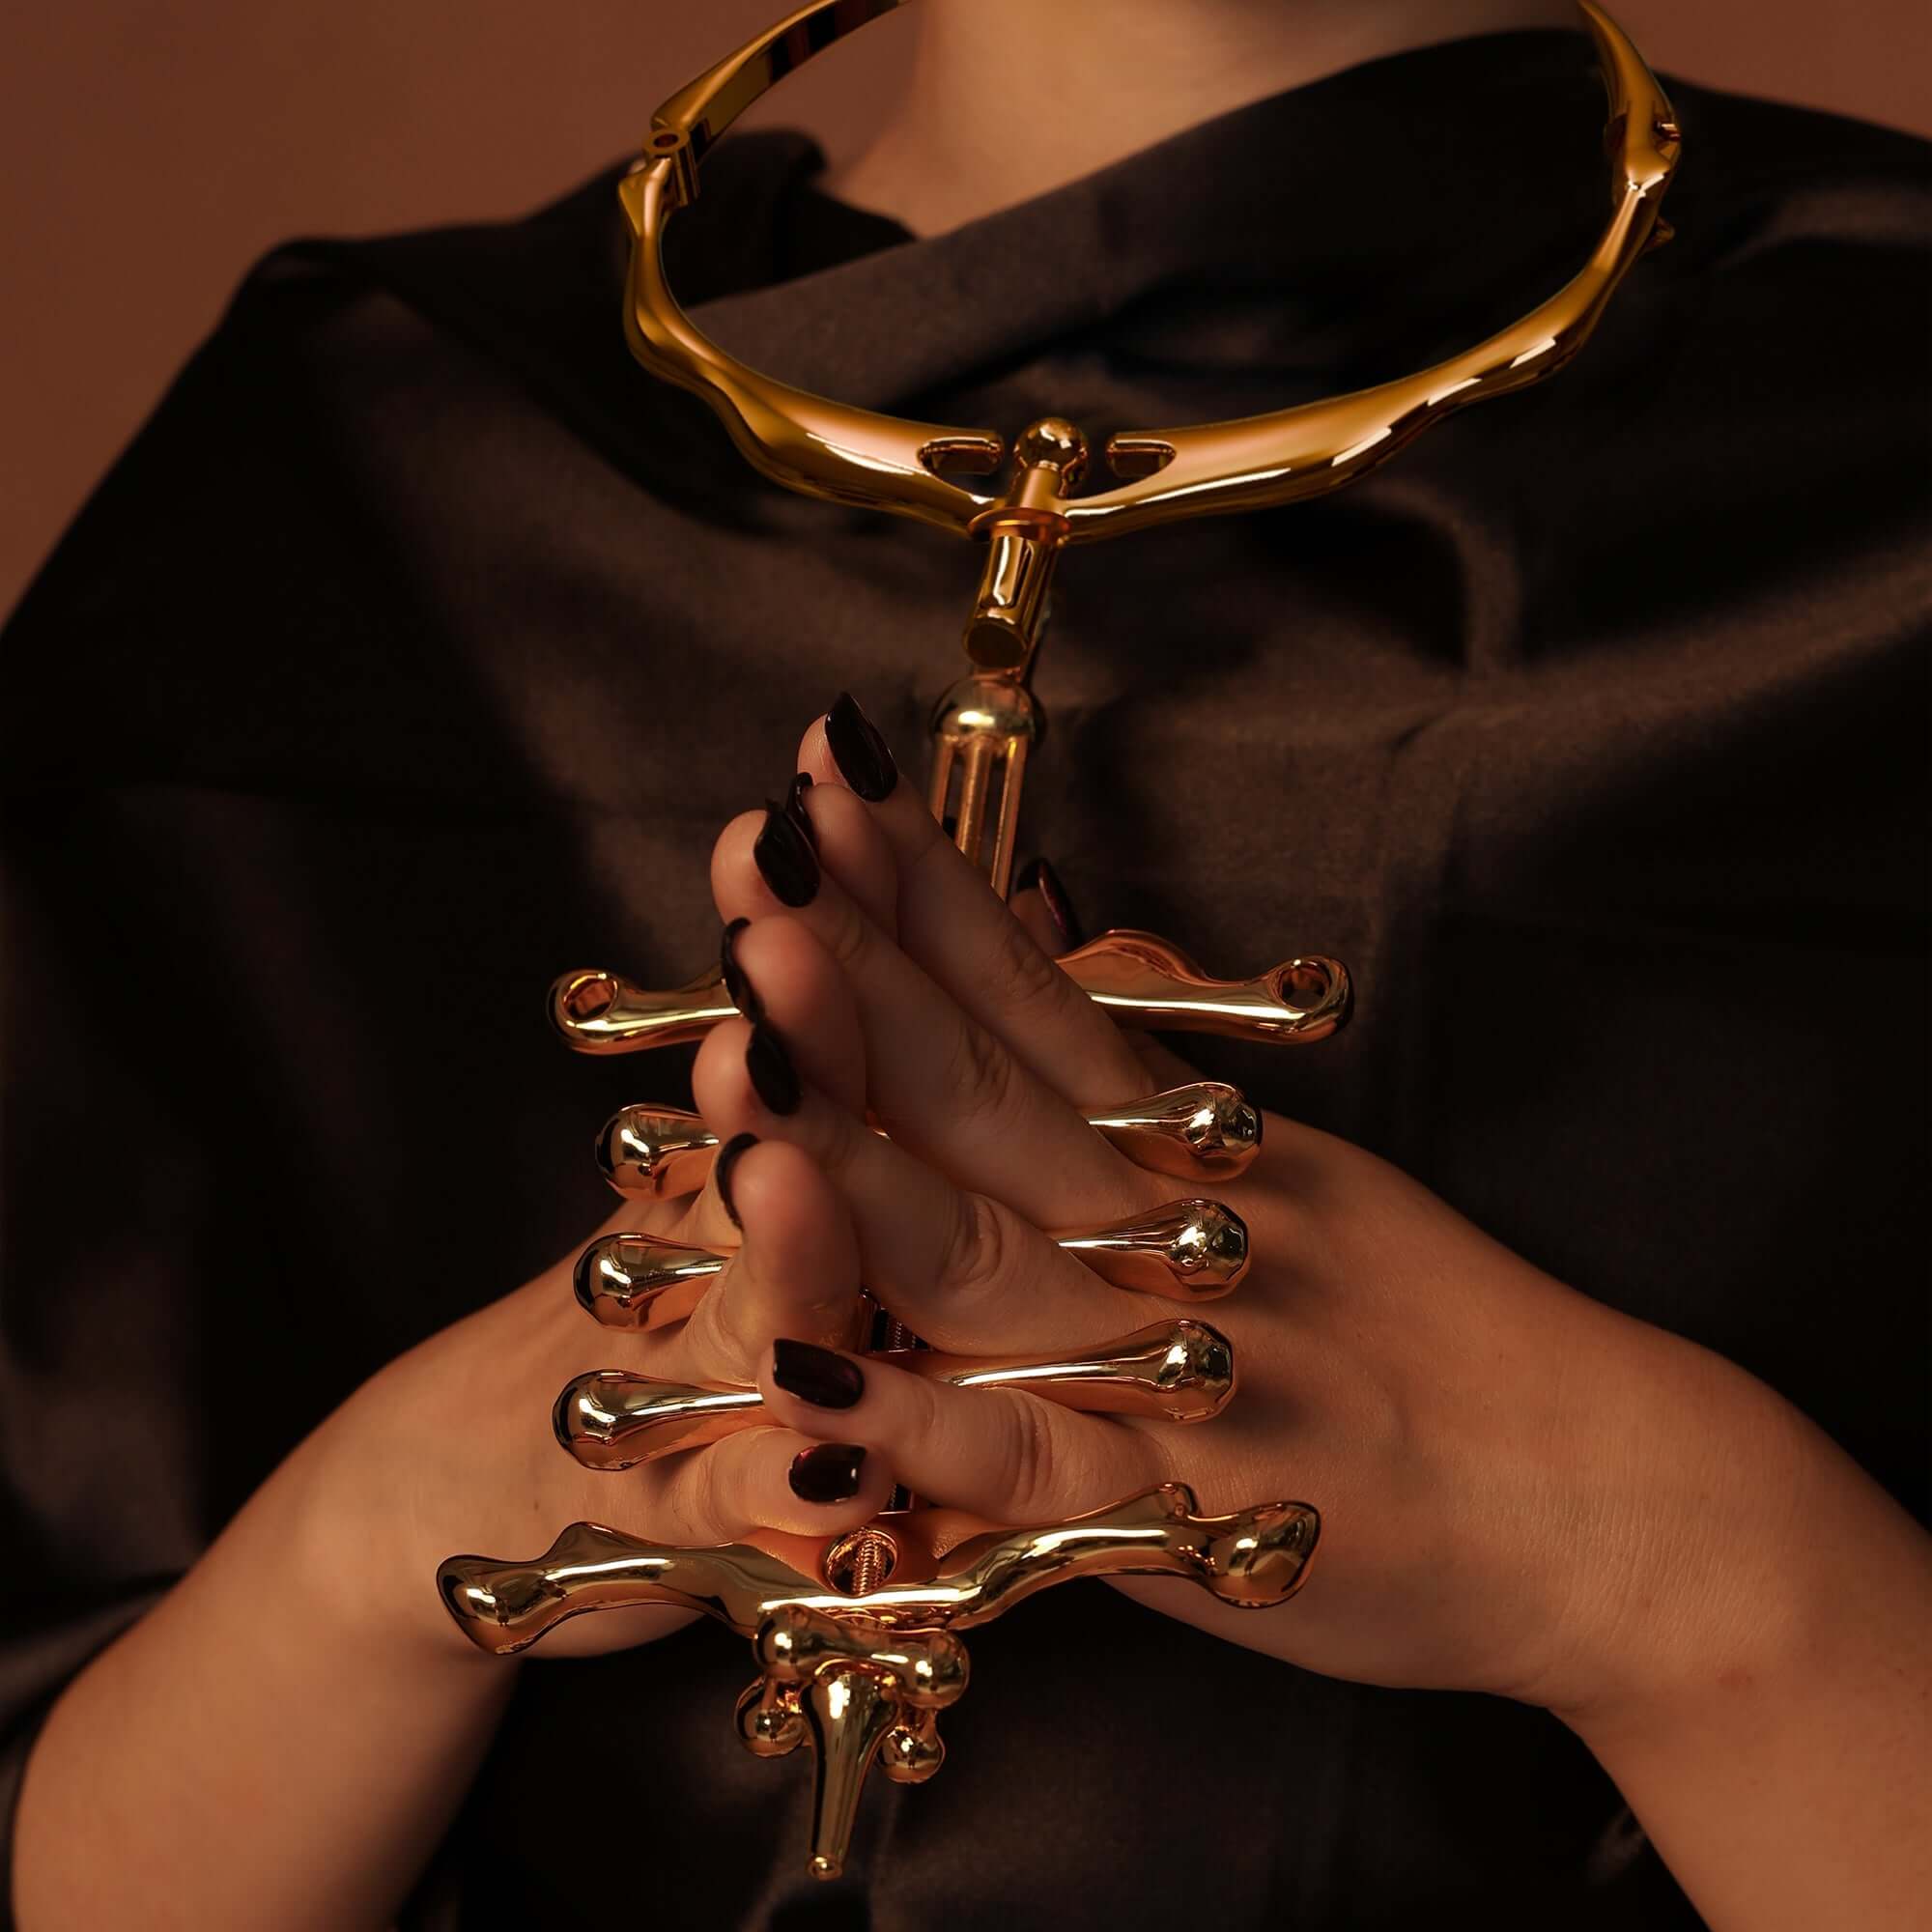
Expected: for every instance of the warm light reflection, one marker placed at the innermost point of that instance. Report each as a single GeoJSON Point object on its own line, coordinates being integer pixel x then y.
{"type": "Point", "coordinates": [1355, 449]}
{"type": "Point", "coordinates": [1535, 349]}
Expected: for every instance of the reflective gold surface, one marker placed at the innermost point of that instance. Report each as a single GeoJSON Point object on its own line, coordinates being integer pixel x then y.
{"type": "Point", "coordinates": [1173, 1371]}
{"type": "Point", "coordinates": [1147, 981]}
{"type": "Point", "coordinates": [1193, 1250]}
{"type": "Point", "coordinates": [856, 456]}
{"type": "Point", "coordinates": [1253, 1557]}
{"type": "Point", "coordinates": [1203, 1131]}
{"type": "Point", "coordinates": [983, 731]}
{"type": "Point", "coordinates": [652, 1151]}
{"type": "Point", "coordinates": [862, 1678]}
{"type": "Point", "coordinates": [1023, 535]}
{"type": "Point", "coordinates": [1141, 980]}
{"type": "Point", "coordinates": [855, 1654]}
{"type": "Point", "coordinates": [1205, 1128]}
{"type": "Point", "coordinates": [642, 1281]}
{"type": "Point", "coordinates": [599, 1012]}
{"type": "Point", "coordinates": [857, 1697]}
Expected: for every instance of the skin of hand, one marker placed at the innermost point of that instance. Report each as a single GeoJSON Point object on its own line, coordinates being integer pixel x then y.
{"type": "Point", "coordinates": [1524, 1492]}
{"type": "Point", "coordinates": [304, 1676]}
{"type": "Point", "coordinates": [405, 1476]}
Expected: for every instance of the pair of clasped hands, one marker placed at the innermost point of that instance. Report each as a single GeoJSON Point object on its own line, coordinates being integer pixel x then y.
{"type": "Point", "coordinates": [1510, 1475]}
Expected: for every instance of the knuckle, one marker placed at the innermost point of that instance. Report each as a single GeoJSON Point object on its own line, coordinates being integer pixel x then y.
{"type": "Point", "coordinates": [721, 1336]}
{"type": "Point", "coordinates": [1033, 1476]}
{"type": "Point", "coordinates": [983, 1076]}
{"type": "Point", "coordinates": [842, 1142]}
{"type": "Point", "coordinates": [847, 938]}
{"type": "Point", "coordinates": [702, 1495]}
{"type": "Point", "coordinates": [977, 1248]}
{"type": "Point", "coordinates": [1021, 974]}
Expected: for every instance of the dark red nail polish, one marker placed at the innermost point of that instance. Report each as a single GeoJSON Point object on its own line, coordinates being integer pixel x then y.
{"type": "Point", "coordinates": [721, 1171]}
{"type": "Point", "coordinates": [785, 857]}
{"type": "Point", "coordinates": [736, 986]}
{"type": "Point", "coordinates": [773, 1075]}
{"type": "Point", "coordinates": [816, 1375]}
{"type": "Point", "coordinates": [828, 1473]}
{"type": "Point", "coordinates": [863, 758]}
{"type": "Point", "coordinates": [1038, 875]}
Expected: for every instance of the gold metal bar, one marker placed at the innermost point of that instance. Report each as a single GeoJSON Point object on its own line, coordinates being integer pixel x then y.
{"type": "Point", "coordinates": [1180, 1371]}
{"type": "Point", "coordinates": [939, 792]}
{"type": "Point", "coordinates": [1254, 1556]}
{"type": "Point", "coordinates": [1144, 981]}
{"type": "Point", "coordinates": [655, 1153]}
{"type": "Point", "coordinates": [975, 762]}
{"type": "Point", "coordinates": [1000, 861]}
{"type": "Point", "coordinates": [1205, 1130]}
{"type": "Point", "coordinates": [856, 456]}
{"type": "Point", "coordinates": [1193, 1250]}
{"type": "Point", "coordinates": [603, 1012]}
{"type": "Point", "coordinates": [1147, 981]}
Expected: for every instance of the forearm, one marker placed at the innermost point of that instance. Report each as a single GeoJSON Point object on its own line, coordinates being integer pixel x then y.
{"type": "Point", "coordinates": [247, 1755]}
{"type": "Point", "coordinates": [1789, 1784]}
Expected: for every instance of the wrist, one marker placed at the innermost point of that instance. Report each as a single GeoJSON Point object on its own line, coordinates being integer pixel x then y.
{"type": "Point", "coordinates": [1779, 1767]}
{"type": "Point", "coordinates": [364, 1579]}
{"type": "Point", "coordinates": [1760, 1561]}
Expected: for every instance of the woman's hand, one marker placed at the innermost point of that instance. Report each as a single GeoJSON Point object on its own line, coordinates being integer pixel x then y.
{"type": "Point", "coordinates": [304, 1676]}
{"type": "Point", "coordinates": [450, 1448]}
{"type": "Point", "coordinates": [1523, 1492]}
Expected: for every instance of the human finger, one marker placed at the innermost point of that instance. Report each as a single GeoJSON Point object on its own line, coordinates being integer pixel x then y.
{"type": "Point", "coordinates": [937, 1080]}
{"type": "Point", "coordinates": [758, 1478]}
{"type": "Point", "coordinates": [1003, 1454]}
{"type": "Point", "coordinates": [795, 1273]}
{"type": "Point", "coordinates": [958, 930]}
{"type": "Point", "coordinates": [962, 1270]}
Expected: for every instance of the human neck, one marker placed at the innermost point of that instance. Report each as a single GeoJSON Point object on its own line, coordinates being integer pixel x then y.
{"type": "Point", "coordinates": [1010, 98]}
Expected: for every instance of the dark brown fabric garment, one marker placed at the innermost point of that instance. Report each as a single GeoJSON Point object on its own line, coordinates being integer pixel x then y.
{"type": "Point", "coordinates": [419, 645]}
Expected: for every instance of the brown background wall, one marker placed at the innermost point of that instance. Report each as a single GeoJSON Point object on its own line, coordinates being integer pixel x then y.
{"type": "Point", "coordinates": [148, 154]}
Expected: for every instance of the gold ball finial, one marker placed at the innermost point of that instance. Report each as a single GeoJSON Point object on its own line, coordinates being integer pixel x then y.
{"type": "Point", "coordinates": [1053, 444]}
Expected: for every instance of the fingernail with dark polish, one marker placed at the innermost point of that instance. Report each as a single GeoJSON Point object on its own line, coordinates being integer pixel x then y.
{"type": "Point", "coordinates": [795, 808]}
{"type": "Point", "coordinates": [736, 985]}
{"type": "Point", "coordinates": [721, 1171]}
{"type": "Point", "coordinates": [816, 1375]}
{"type": "Point", "coordinates": [828, 1473]}
{"type": "Point", "coordinates": [772, 1073]}
{"type": "Point", "coordinates": [863, 758]}
{"type": "Point", "coordinates": [1038, 875]}
{"type": "Point", "coordinates": [785, 857]}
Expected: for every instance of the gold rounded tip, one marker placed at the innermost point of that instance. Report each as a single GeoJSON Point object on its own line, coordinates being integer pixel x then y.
{"type": "Point", "coordinates": [654, 1151]}
{"type": "Point", "coordinates": [579, 998]}
{"type": "Point", "coordinates": [1053, 444]}
{"type": "Point", "coordinates": [825, 1867]}
{"type": "Point", "coordinates": [617, 1151]}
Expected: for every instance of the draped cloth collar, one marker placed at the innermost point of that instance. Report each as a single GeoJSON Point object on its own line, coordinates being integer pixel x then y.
{"type": "Point", "coordinates": [1480, 159]}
